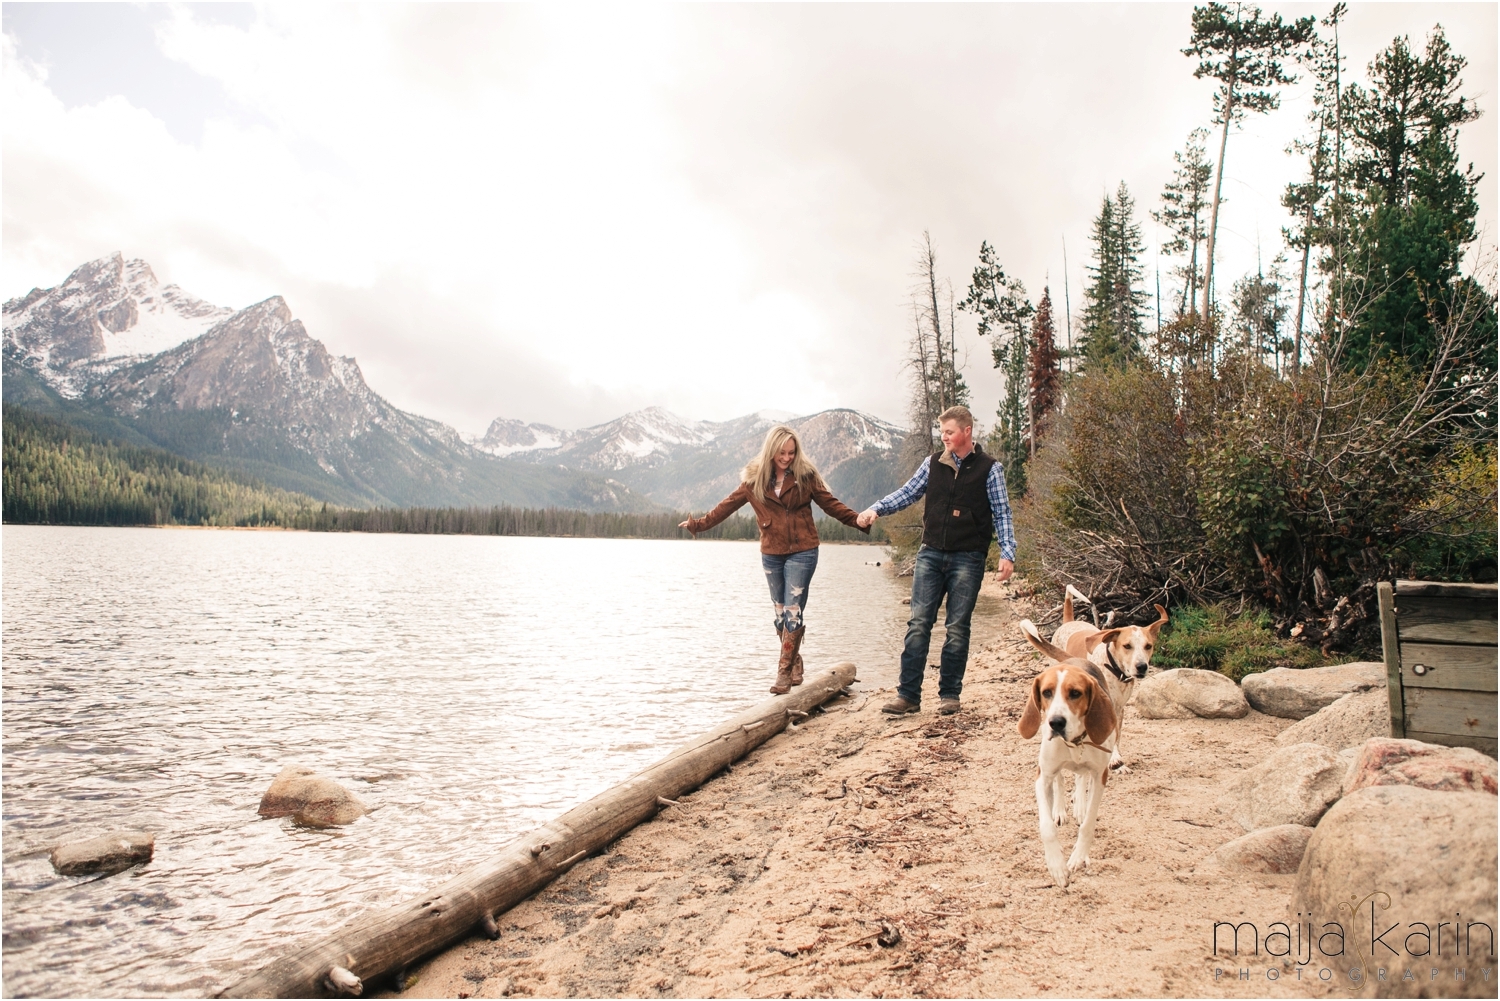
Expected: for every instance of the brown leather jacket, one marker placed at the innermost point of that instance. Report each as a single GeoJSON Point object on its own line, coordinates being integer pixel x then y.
{"type": "Point", "coordinates": [786, 522]}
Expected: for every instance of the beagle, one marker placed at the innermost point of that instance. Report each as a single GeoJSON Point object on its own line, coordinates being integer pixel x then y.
{"type": "Point", "coordinates": [1071, 697]}
{"type": "Point", "coordinates": [1123, 653]}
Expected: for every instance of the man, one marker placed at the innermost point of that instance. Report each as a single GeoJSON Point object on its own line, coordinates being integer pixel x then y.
{"type": "Point", "coordinates": [966, 501]}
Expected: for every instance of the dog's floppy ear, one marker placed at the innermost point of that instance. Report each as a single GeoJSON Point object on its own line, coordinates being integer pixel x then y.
{"type": "Point", "coordinates": [1031, 719]}
{"type": "Point", "coordinates": [1155, 627]}
{"type": "Point", "coordinates": [1102, 636]}
{"type": "Point", "coordinates": [1099, 722]}
{"type": "Point", "coordinates": [1029, 631]}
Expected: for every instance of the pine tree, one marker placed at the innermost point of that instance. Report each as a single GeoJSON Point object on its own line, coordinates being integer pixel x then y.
{"type": "Point", "coordinates": [1246, 52]}
{"type": "Point", "coordinates": [1046, 368]}
{"type": "Point", "coordinates": [1417, 218]}
{"type": "Point", "coordinates": [998, 302]}
{"type": "Point", "coordinates": [1183, 202]}
{"type": "Point", "coordinates": [1113, 319]}
{"type": "Point", "coordinates": [1319, 203]}
{"type": "Point", "coordinates": [1259, 312]}
{"type": "Point", "coordinates": [1305, 201]}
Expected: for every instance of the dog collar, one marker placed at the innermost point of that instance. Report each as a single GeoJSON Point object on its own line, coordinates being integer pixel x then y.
{"type": "Point", "coordinates": [1114, 668]}
{"type": "Point", "coordinates": [1084, 743]}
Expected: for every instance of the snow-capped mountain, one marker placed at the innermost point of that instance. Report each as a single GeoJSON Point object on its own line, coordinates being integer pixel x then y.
{"type": "Point", "coordinates": [506, 437]}
{"type": "Point", "coordinates": [645, 437]}
{"type": "Point", "coordinates": [107, 313]}
{"type": "Point", "coordinates": [684, 463]}
{"type": "Point", "coordinates": [253, 389]}
{"type": "Point", "coordinates": [652, 436]}
{"type": "Point", "coordinates": [833, 437]}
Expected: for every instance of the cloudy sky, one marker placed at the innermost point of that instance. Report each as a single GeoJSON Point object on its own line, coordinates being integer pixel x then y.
{"type": "Point", "coordinates": [565, 212]}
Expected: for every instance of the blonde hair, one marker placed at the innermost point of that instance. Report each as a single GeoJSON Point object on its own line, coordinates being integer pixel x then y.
{"type": "Point", "coordinates": [758, 470]}
{"type": "Point", "coordinates": [959, 413]}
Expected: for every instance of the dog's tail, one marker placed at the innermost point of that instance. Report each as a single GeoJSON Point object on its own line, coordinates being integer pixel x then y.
{"type": "Point", "coordinates": [1028, 629]}
{"type": "Point", "coordinates": [1070, 593]}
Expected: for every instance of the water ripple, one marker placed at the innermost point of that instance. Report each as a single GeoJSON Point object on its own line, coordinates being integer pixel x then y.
{"type": "Point", "coordinates": [467, 689]}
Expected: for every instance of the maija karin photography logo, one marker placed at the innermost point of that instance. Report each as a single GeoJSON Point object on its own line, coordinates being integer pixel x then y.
{"type": "Point", "coordinates": [1365, 945]}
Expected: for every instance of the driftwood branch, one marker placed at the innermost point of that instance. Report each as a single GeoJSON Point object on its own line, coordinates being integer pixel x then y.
{"type": "Point", "coordinates": [387, 941]}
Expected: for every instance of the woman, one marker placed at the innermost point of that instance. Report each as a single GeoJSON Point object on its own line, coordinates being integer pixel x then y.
{"type": "Point", "coordinates": [781, 486]}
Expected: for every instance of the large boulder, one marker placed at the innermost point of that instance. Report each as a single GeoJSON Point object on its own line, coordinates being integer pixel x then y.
{"type": "Point", "coordinates": [1298, 693]}
{"type": "Point", "coordinates": [1294, 785]}
{"type": "Point", "coordinates": [1348, 721]}
{"type": "Point", "coordinates": [310, 799]}
{"type": "Point", "coordinates": [1431, 855]}
{"type": "Point", "coordinates": [1386, 761]}
{"type": "Point", "coordinates": [1271, 849]}
{"type": "Point", "coordinates": [1185, 693]}
{"type": "Point", "coordinates": [108, 853]}
{"type": "Point", "coordinates": [1347, 757]}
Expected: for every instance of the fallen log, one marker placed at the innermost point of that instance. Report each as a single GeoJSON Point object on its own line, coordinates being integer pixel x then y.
{"type": "Point", "coordinates": [390, 940]}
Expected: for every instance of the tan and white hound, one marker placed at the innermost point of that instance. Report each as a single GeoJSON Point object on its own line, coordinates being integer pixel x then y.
{"type": "Point", "coordinates": [1069, 704]}
{"type": "Point", "coordinates": [1122, 653]}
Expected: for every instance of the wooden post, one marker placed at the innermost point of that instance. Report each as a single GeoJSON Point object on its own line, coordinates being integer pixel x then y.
{"type": "Point", "coordinates": [1391, 647]}
{"type": "Point", "coordinates": [389, 940]}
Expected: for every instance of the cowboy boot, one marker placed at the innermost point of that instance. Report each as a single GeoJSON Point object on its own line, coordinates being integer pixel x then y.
{"type": "Point", "coordinates": [784, 665]}
{"type": "Point", "coordinates": [796, 637]}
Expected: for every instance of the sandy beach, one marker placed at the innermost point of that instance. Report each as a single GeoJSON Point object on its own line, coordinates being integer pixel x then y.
{"type": "Point", "coordinates": [860, 854]}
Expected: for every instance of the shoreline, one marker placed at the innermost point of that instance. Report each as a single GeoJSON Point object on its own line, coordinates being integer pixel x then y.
{"type": "Point", "coordinates": [859, 854]}
{"type": "Point", "coordinates": [476, 535]}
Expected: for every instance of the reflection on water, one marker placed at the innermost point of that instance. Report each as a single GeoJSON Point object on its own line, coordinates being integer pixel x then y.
{"type": "Point", "coordinates": [467, 688]}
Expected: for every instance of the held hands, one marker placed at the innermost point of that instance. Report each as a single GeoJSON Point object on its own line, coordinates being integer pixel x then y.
{"type": "Point", "coordinates": [866, 518]}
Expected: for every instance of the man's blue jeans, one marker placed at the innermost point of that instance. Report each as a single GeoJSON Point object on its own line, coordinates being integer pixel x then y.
{"type": "Point", "coordinates": [789, 578]}
{"type": "Point", "coordinates": [940, 572]}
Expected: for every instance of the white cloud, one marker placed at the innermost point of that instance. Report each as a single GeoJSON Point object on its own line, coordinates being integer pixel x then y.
{"type": "Point", "coordinates": [558, 213]}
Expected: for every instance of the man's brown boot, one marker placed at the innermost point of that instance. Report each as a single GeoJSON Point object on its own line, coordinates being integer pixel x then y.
{"type": "Point", "coordinates": [796, 637]}
{"type": "Point", "coordinates": [784, 665]}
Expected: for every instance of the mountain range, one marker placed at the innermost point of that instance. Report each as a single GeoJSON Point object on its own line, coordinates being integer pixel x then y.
{"type": "Point", "coordinates": [117, 352]}
{"type": "Point", "coordinates": [691, 465]}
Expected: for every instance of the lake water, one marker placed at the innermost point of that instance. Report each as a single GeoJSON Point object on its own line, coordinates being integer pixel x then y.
{"type": "Point", "coordinates": [467, 688]}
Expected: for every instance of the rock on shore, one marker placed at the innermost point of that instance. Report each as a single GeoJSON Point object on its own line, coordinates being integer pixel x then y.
{"type": "Point", "coordinates": [1433, 853]}
{"type": "Point", "coordinates": [1386, 761]}
{"type": "Point", "coordinates": [1276, 849]}
{"type": "Point", "coordinates": [1185, 692]}
{"type": "Point", "coordinates": [1348, 721]}
{"type": "Point", "coordinates": [310, 799]}
{"type": "Point", "coordinates": [1297, 694]}
{"type": "Point", "coordinates": [1294, 785]}
{"type": "Point", "coordinates": [108, 853]}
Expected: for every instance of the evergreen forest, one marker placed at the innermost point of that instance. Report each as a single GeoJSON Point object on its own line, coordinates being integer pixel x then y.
{"type": "Point", "coordinates": [56, 473]}
{"type": "Point", "coordinates": [1282, 439]}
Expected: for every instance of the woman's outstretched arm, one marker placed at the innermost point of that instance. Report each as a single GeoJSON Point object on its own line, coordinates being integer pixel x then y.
{"type": "Point", "coordinates": [836, 508]}
{"type": "Point", "coordinates": [729, 505]}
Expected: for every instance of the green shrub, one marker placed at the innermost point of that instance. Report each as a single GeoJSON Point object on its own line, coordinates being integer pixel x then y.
{"type": "Point", "coordinates": [1212, 638]}
{"type": "Point", "coordinates": [1197, 486]}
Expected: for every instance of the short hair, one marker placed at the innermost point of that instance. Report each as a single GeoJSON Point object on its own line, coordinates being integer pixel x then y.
{"type": "Point", "coordinates": [960, 414]}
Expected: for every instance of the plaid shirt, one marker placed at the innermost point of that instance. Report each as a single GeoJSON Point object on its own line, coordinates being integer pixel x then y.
{"type": "Point", "coordinates": [916, 487]}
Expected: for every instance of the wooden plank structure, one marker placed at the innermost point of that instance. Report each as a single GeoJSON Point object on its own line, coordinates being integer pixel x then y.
{"type": "Point", "coordinates": [1440, 661]}
{"type": "Point", "coordinates": [388, 941]}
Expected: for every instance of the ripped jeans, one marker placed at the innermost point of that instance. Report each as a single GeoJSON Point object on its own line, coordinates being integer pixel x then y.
{"type": "Point", "coordinates": [789, 577]}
